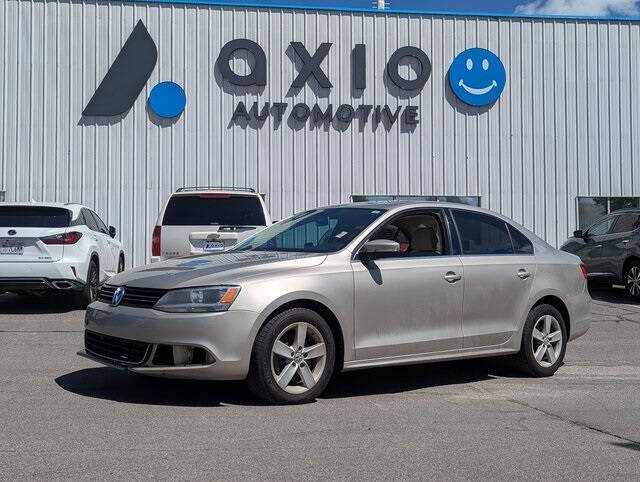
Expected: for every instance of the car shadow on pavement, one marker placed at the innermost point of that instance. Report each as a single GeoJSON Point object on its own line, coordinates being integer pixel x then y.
{"type": "Point", "coordinates": [375, 381]}
{"type": "Point", "coordinates": [11, 304]}
{"type": "Point", "coordinates": [121, 386]}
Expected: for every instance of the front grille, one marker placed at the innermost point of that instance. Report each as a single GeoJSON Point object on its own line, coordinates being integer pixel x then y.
{"type": "Point", "coordinates": [117, 349]}
{"type": "Point", "coordinates": [138, 297]}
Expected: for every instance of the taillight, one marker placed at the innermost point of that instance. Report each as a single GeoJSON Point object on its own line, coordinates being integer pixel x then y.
{"type": "Point", "coordinates": [583, 268]}
{"type": "Point", "coordinates": [155, 241]}
{"type": "Point", "coordinates": [67, 238]}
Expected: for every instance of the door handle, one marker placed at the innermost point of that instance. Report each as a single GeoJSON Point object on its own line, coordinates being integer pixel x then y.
{"type": "Point", "coordinates": [626, 241]}
{"type": "Point", "coordinates": [523, 274]}
{"type": "Point", "coordinates": [452, 277]}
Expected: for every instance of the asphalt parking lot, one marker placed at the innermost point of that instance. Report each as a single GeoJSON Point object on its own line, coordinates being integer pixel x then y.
{"type": "Point", "coordinates": [64, 417]}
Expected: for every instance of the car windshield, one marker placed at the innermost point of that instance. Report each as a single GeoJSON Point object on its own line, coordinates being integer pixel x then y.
{"type": "Point", "coordinates": [320, 231]}
{"type": "Point", "coordinates": [34, 217]}
{"type": "Point", "coordinates": [214, 209]}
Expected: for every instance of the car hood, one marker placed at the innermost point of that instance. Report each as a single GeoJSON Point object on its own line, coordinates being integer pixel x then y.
{"type": "Point", "coordinates": [227, 267]}
{"type": "Point", "coordinates": [572, 244]}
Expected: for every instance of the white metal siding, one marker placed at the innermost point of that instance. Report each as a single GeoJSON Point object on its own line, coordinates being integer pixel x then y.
{"type": "Point", "coordinates": [563, 127]}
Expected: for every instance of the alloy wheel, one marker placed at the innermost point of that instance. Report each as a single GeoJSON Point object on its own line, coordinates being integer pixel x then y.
{"type": "Point", "coordinates": [633, 281]}
{"type": "Point", "coordinates": [546, 341]}
{"type": "Point", "coordinates": [298, 358]}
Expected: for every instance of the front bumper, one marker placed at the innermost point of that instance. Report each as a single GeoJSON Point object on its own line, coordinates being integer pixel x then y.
{"type": "Point", "coordinates": [227, 337]}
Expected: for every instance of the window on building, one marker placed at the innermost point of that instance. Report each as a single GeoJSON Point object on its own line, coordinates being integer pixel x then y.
{"type": "Point", "coordinates": [590, 209]}
{"type": "Point", "coordinates": [468, 200]}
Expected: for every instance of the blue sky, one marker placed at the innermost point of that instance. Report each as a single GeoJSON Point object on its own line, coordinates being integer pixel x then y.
{"type": "Point", "coordinates": [595, 8]}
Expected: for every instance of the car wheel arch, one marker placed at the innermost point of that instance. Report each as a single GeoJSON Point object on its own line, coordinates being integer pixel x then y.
{"type": "Point", "coordinates": [626, 264]}
{"type": "Point", "coordinates": [320, 308]}
{"type": "Point", "coordinates": [559, 305]}
{"type": "Point", "coordinates": [96, 259]}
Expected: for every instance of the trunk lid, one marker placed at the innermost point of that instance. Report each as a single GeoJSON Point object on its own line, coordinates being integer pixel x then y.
{"type": "Point", "coordinates": [26, 245]}
{"type": "Point", "coordinates": [22, 228]}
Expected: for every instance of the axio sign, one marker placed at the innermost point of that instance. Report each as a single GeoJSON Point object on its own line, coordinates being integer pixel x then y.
{"type": "Point", "coordinates": [312, 68]}
{"type": "Point", "coordinates": [477, 77]}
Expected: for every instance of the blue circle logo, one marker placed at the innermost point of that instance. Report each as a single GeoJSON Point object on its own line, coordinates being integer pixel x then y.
{"type": "Point", "coordinates": [477, 77]}
{"type": "Point", "coordinates": [167, 99]}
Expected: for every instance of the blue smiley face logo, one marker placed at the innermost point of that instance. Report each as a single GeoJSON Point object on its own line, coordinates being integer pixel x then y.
{"type": "Point", "coordinates": [477, 77]}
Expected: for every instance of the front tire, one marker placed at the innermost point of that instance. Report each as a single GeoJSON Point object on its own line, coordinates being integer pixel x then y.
{"type": "Point", "coordinates": [90, 291]}
{"type": "Point", "coordinates": [544, 341]}
{"type": "Point", "coordinates": [632, 280]}
{"type": "Point", "coordinates": [293, 358]}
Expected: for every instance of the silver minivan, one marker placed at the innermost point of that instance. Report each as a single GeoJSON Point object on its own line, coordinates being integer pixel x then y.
{"type": "Point", "coordinates": [344, 288]}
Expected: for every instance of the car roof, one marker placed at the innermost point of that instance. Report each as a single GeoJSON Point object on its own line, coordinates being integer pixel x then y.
{"type": "Point", "coordinates": [626, 210]}
{"type": "Point", "coordinates": [398, 205]}
{"type": "Point", "coordinates": [215, 191]}
{"type": "Point", "coordinates": [238, 191]}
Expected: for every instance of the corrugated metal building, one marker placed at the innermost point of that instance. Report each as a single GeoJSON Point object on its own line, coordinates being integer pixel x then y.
{"type": "Point", "coordinates": [564, 126]}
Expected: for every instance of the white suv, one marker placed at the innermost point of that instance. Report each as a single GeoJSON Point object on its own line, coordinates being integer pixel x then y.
{"type": "Point", "coordinates": [197, 220]}
{"type": "Point", "coordinates": [56, 247]}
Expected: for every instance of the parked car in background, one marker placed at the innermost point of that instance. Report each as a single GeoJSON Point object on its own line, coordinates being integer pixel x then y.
{"type": "Point", "coordinates": [610, 250]}
{"type": "Point", "coordinates": [56, 247]}
{"type": "Point", "coordinates": [344, 288]}
{"type": "Point", "coordinates": [197, 220]}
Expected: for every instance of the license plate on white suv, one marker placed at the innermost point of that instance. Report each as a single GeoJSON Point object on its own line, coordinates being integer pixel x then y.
{"type": "Point", "coordinates": [15, 250]}
{"type": "Point", "coordinates": [214, 246]}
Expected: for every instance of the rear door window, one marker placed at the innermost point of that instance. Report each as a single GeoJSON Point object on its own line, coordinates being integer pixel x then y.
{"type": "Point", "coordinates": [90, 220]}
{"type": "Point", "coordinates": [521, 244]}
{"type": "Point", "coordinates": [34, 217]}
{"type": "Point", "coordinates": [482, 234]}
{"type": "Point", "coordinates": [102, 228]}
{"type": "Point", "coordinates": [214, 210]}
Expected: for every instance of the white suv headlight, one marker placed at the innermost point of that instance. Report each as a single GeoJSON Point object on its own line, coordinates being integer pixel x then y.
{"type": "Point", "coordinates": [198, 300]}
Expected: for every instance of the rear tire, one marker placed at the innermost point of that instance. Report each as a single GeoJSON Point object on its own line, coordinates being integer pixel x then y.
{"type": "Point", "coordinates": [544, 341]}
{"type": "Point", "coordinates": [90, 291]}
{"type": "Point", "coordinates": [293, 358]}
{"type": "Point", "coordinates": [632, 280]}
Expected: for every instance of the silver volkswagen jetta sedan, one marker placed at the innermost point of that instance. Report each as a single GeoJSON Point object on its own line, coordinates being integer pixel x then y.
{"type": "Point", "coordinates": [342, 288]}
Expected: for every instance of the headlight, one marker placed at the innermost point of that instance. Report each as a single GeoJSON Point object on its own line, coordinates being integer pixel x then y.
{"type": "Point", "coordinates": [198, 300]}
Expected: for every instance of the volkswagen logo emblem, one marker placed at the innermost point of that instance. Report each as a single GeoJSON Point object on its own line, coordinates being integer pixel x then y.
{"type": "Point", "coordinates": [12, 232]}
{"type": "Point", "coordinates": [118, 294]}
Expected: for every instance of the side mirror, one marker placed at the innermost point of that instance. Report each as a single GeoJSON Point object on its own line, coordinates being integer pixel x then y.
{"type": "Point", "coordinates": [112, 231]}
{"type": "Point", "coordinates": [578, 234]}
{"type": "Point", "coordinates": [381, 246]}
